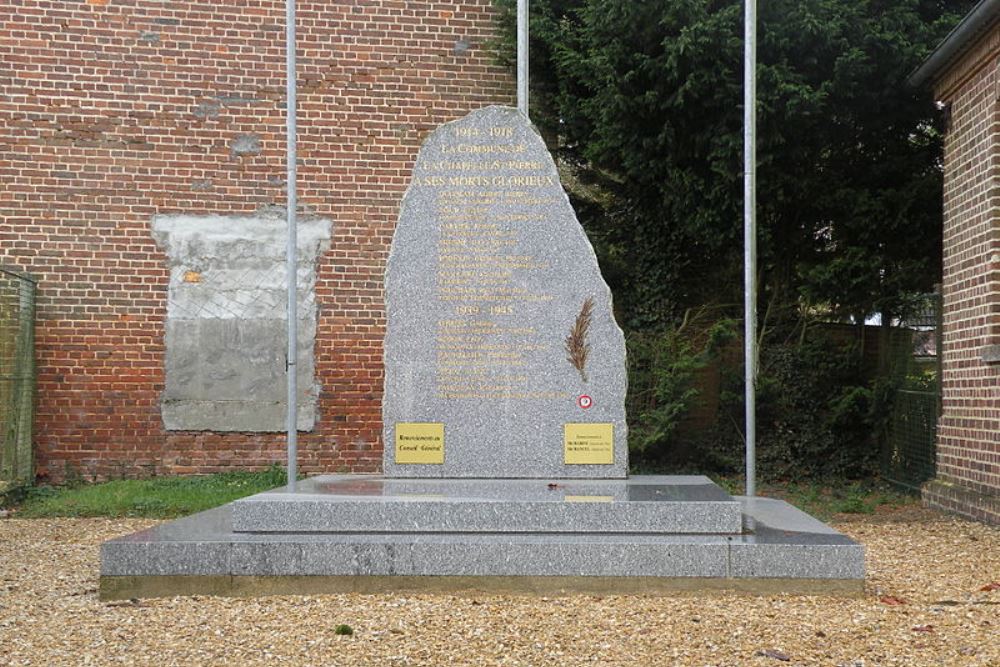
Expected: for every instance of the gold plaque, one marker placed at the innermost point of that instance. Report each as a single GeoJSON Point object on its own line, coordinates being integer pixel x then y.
{"type": "Point", "coordinates": [589, 444]}
{"type": "Point", "coordinates": [589, 499]}
{"type": "Point", "coordinates": [419, 442]}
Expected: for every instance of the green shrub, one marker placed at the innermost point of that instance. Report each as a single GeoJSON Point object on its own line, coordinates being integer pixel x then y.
{"type": "Point", "coordinates": [817, 414]}
{"type": "Point", "coordinates": [662, 369]}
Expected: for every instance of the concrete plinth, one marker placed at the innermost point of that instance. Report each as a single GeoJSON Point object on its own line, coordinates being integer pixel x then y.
{"type": "Point", "coordinates": [376, 504]}
{"type": "Point", "coordinates": [782, 550]}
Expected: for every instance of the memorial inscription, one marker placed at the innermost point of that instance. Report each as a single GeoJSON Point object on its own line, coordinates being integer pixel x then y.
{"type": "Point", "coordinates": [499, 324]}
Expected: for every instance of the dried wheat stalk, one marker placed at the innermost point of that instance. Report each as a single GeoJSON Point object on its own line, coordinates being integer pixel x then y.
{"type": "Point", "coordinates": [577, 346]}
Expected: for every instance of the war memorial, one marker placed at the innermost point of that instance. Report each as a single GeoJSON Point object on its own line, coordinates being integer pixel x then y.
{"type": "Point", "coordinates": [505, 462]}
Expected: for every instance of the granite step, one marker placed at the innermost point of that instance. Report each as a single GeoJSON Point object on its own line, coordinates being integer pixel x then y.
{"type": "Point", "coordinates": [375, 504]}
{"type": "Point", "coordinates": [785, 550]}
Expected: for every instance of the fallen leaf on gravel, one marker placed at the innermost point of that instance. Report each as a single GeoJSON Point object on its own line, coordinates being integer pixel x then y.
{"type": "Point", "coordinates": [992, 586]}
{"type": "Point", "coordinates": [891, 600]}
{"type": "Point", "coordinates": [774, 653]}
{"type": "Point", "coordinates": [923, 628]}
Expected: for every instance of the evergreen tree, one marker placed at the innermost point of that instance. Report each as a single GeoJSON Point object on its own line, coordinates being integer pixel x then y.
{"type": "Point", "coordinates": [643, 101]}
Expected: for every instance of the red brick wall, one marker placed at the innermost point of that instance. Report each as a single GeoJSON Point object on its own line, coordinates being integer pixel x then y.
{"type": "Point", "coordinates": [968, 457]}
{"type": "Point", "coordinates": [112, 111]}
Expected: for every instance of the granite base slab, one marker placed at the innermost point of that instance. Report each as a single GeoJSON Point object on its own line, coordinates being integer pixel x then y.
{"type": "Point", "coordinates": [787, 551]}
{"type": "Point", "coordinates": [690, 504]}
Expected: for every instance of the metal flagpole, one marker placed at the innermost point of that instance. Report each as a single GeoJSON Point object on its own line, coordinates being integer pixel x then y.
{"type": "Point", "coordinates": [291, 250]}
{"type": "Point", "coordinates": [750, 238]}
{"type": "Point", "coordinates": [522, 56]}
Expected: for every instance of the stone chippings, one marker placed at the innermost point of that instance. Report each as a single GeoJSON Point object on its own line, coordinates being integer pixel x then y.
{"type": "Point", "coordinates": [936, 565]}
{"type": "Point", "coordinates": [490, 433]}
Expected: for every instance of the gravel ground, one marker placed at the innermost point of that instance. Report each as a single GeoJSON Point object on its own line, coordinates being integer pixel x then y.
{"type": "Point", "coordinates": [924, 604]}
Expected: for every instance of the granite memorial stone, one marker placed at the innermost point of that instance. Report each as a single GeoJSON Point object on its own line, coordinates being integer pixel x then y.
{"type": "Point", "coordinates": [504, 428]}
{"type": "Point", "coordinates": [502, 355]}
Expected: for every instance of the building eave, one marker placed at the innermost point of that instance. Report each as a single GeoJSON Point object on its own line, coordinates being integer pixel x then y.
{"type": "Point", "coordinates": [976, 23]}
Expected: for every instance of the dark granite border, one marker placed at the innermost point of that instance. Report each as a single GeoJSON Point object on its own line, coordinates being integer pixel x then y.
{"type": "Point", "coordinates": [120, 588]}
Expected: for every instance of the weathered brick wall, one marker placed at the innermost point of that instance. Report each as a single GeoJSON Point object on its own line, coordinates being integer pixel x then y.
{"type": "Point", "coordinates": [968, 457]}
{"type": "Point", "coordinates": [113, 111]}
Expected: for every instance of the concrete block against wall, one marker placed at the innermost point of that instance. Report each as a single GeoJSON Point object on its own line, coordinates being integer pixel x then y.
{"type": "Point", "coordinates": [226, 320]}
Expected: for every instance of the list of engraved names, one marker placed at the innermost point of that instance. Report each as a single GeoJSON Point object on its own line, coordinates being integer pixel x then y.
{"type": "Point", "coordinates": [485, 194]}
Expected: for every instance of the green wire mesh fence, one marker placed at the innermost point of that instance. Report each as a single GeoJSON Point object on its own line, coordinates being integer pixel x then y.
{"type": "Point", "coordinates": [17, 378]}
{"type": "Point", "coordinates": [909, 450]}
{"type": "Point", "coordinates": [909, 457]}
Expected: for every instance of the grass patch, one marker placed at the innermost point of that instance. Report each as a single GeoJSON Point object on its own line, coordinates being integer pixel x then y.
{"type": "Point", "coordinates": [825, 499]}
{"type": "Point", "coordinates": [170, 497]}
{"type": "Point", "coordinates": [154, 498]}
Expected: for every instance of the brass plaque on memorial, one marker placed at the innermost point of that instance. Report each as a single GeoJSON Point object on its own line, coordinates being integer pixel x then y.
{"type": "Point", "coordinates": [419, 443]}
{"type": "Point", "coordinates": [589, 444]}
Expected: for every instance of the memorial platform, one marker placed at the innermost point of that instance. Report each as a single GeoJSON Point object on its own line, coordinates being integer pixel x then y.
{"type": "Point", "coordinates": [634, 536]}
{"type": "Point", "coordinates": [376, 504]}
{"type": "Point", "coordinates": [505, 435]}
